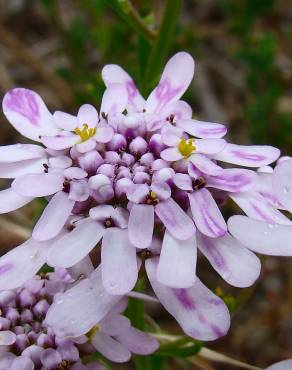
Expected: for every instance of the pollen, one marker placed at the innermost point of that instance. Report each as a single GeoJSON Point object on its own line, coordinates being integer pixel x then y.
{"type": "Point", "coordinates": [186, 147]}
{"type": "Point", "coordinates": [153, 195]}
{"type": "Point", "coordinates": [85, 133]}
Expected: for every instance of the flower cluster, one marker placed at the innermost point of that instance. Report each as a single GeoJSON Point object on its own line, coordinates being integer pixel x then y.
{"type": "Point", "coordinates": [144, 181]}
{"type": "Point", "coordinates": [27, 342]}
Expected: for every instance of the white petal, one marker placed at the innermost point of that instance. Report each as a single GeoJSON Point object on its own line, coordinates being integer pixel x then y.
{"type": "Point", "coordinates": [38, 185]}
{"type": "Point", "coordinates": [110, 348]}
{"type": "Point", "coordinates": [20, 152]}
{"type": "Point", "coordinates": [10, 200]}
{"type": "Point", "coordinates": [13, 170]}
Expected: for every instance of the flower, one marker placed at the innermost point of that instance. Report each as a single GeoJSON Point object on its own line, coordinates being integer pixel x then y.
{"type": "Point", "coordinates": [28, 342]}
{"type": "Point", "coordinates": [143, 180]}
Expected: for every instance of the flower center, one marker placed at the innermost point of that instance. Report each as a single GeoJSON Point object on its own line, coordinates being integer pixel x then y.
{"type": "Point", "coordinates": [85, 133]}
{"type": "Point", "coordinates": [186, 147]}
{"type": "Point", "coordinates": [152, 199]}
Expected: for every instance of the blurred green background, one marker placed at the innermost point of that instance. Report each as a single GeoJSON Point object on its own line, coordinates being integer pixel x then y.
{"type": "Point", "coordinates": [243, 78]}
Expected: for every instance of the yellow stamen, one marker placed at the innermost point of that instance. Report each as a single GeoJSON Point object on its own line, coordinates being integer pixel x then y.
{"type": "Point", "coordinates": [186, 147]}
{"type": "Point", "coordinates": [86, 132]}
{"type": "Point", "coordinates": [153, 195]}
{"type": "Point", "coordinates": [90, 335]}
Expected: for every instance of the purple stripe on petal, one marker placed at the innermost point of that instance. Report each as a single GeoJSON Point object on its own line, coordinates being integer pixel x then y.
{"type": "Point", "coordinates": [183, 297]}
{"type": "Point", "coordinates": [23, 102]}
{"type": "Point", "coordinates": [249, 156]}
{"type": "Point", "coordinates": [5, 268]}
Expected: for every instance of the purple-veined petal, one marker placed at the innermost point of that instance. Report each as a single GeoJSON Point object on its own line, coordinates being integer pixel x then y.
{"type": "Point", "coordinates": [176, 77]}
{"type": "Point", "coordinates": [22, 263]}
{"type": "Point", "coordinates": [53, 217]}
{"type": "Point", "coordinates": [71, 248]}
{"type": "Point", "coordinates": [171, 154]}
{"type": "Point", "coordinates": [65, 121]}
{"type": "Point", "coordinates": [224, 255]}
{"type": "Point", "coordinates": [282, 183]}
{"type": "Point", "coordinates": [200, 313]}
{"type": "Point", "coordinates": [177, 222]}
{"type": "Point", "coordinates": [28, 114]}
{"type": "Point", "coordinates": [248, 155]}
{"type": "Point", "coordinates": [20, 152]}
{"type": "Point", "coordinates": [114, 100]}
{"type": "Point", "coordinates": [234, 180]}
{"type": "Point", "coordinates": [205, 130]}
{"type": "Point", "coordinates": [38, 185]}
{"type": "Point", "coordinates": [137, 341]}
{"type": "Point", "coordinates": [10, 200]}
{"type": "Point", "coordinates": [205, 165]}
{"type": "Point", "coordinates": [141, 224]}
{"type": "Point", "coordinates": [87, 115]}
{"type": "Point", "coordinates": [262, 237]}
{"type": "Point", "coordinates": [209, 146]}
{"type": "Point", "coordinates": [119, 262]}
{"type": "Point", "coordinates": [182, 272]}
{"type": "Point", "coordinates": [256, 206]}
{"type": "Point", "coordinates": [112, 74]}
{"type": "Point", "coordinates": [283, 365]}
{"type": "Point", "coordinates": [60, 142]}
{"type": "Point", "coordinates": [110, 348]}
{"type": "Point", "coordinates": [13, 170]}
{"type": "Point", "coordinates": [206, 214]}
{"type": "Point", "coordinates": [267, 189]}
{"type": "Point", "coordinates": [86, 304]}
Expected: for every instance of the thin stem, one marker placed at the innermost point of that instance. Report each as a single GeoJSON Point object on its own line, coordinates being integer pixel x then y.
{"type": "Point", "coordinates": [126, 10]}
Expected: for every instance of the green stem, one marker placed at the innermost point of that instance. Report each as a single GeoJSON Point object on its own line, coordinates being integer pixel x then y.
{"type": "Point", "coordinates": [165, 37]}
{"type": "Point", "coordinates": [126, 10]}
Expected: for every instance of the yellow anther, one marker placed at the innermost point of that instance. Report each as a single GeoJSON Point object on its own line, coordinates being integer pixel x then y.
{"type": "Point", "coordinates": [186, 147]}
{"type": "Point", "coordinates": [90, 335]}
{"type": "Point", "coordinates": [86, 132]}
{"type": "Point", "coordinates": [153, 195]}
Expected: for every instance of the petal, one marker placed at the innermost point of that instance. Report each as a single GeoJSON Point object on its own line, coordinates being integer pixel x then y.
{"type": "Point", "coordinates": [101, 212]}
{"type": "Point", "coordinates": [233, 180]}
{"type": "Point", "coordinates": [282, 183]}
{"type": "Point", "coordinates": [210, 146]}
{"type": "Point", "coordinates": [20, 152]}
{"type": "Point", "coordinates": [205, 165]}
{"type": "Point", "coordinates": [118, 262]}
{"type": "Point", "coordinates": [110, 348]}
{"type": "Point", "coordinates": [53, 217]}
{"type": "Point", "coordinates": [183, 181]}
{"type": "Point", "coordinates": [114, 100]}
{"type": "Point", "coordinates": [256, 206]}
{"type": "Point", "coordinates": [13, 170]}
{"type": "Point", "coordinates": [171, 154]}
{"type": "Point", "coordinates": [141, 224]}
{"type": "Point", "coordinates": [182, 273]}
{"type": "Point", "coordinates": [113, 74]}
{"type": "Point", "coordinates": [22, 263]}
{"type": "Point", "coordinates": [179, 109]}
{"type": "Point", "coordinates": [71, 248]}
{"type": "Point", "coordinates": [88, 115]}
{"type": "Point", "coordinates": [137, 192]}
{"type": "Point", "coordinates": [86, 146]}
{"type": "Point", "coordinates": [60, 142]}
{"type": "Point", "coordinates": [27, 113]}
{"type": "Point", "coordinates": [224, 255]}
{"type": "Point", "coordinates": [206, 214]}
{"type": "Point", "coordinates": [200, 313]}
{"type": "Point", "coordinates": [65, 121]}
{"type": "Point", "coordinates": [205, 130]}
{"type": "Point", "coordinates": [171, 135]}
{"type": "Point", "coordinates": [86, 304]}
{"type": "Point", "coordinates": [177, 222]}
{"type": "Point", "coordinates": [248, 155]}
{"type": "Point", "coordinates": [10, 200]}
{"type": "Point", "coordinates": [262, 237]}
{"type": "Point", "coordinates": [7, 337]}
{"type": "Point", "coordinates": [283, 365]}
{"type": "Point", "coordinates": [79, 190]}
{"type": "Point", "coordinates": [176, 77]}
{"type": "Point", "coordinates": [23, 363]}
{"type": "Point", "coordinates": [161, 189]}
{"type": "Point", "coordinates": [104, 134]}
{"type": "Point", "coordinates": [137, 341]}
{"type": "Point", "coordinates": [114, 324]}
{"type": "Point", "coordinates": [38, 185]}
